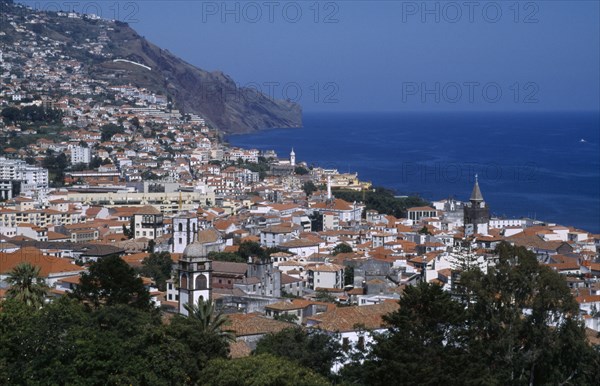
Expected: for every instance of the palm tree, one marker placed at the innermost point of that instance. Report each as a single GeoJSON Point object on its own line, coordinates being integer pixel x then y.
{"type": "Point", "coordinates": [209, 321]}
{"type": "Point", "coordinates": [26, 285]}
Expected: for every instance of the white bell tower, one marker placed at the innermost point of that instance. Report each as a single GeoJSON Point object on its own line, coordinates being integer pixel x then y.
{"type": "Point", "coordinates": [293, 158]}
{"type": "Point", "coordinates": [195, 275]}
{"type": "Point", "coordinates": [185, 229]}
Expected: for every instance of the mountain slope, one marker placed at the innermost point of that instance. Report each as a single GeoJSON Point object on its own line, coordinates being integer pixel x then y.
{"type": "Point", "coordinates": [213, 95]}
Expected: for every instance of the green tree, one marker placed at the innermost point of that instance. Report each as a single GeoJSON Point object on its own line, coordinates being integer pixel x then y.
{"type": "Point", "coordinates": [129, 232]}
{"type": "Point", "coordinates": [524, 321]}
{"type": "Point", "coordinates": [424, 342]}
{"type": "Point", "coordinates": [196, 346]}
{"type": "Point", "coordinates": [208, 319]}
{"type": "Point", "coordinates": [226, 256]}
{"type": "Point", "coordinates": [68, 343]}
{"type": "Point", "coordinates": [349, 276]}
{"type": "Point", "coordinates": [313, 349]}
{"type": "Point", "coordinates": [424, 231]}
{"type": "Point", "coordinates": [26, 285]}
{"type": "Point", "coordinates": [158, 266]}
{"type": "Point", "coordinates": [324, 296]}
{"type": "Point", "coordinates": [382, 200]}
{"type": "Point", "coordinates": [110, 129]}
{"type": "Point", "coordinates": [342, 248]}
{"type": "Point", "coordinates": [309, 188]}
{"type": "Point", "coordinates": [266, 370]}
{"type": "Point", "coordinates": [301, 171]}
{"type": "Point", "coordinates": [112, 281]}
{"type": "Point", "coordinates": [252, 249]}
{"type": "Point", "coordinates": [516, 324]}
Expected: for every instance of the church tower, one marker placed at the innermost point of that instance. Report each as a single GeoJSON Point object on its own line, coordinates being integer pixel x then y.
{"type": "Point", "coordinates": [476, 213]}
{"type": "Point", "coordinates": [293, 158]}
{"type": "Point", "coordinates": [195, 275]}
{"type": "Point", "coordinates": [185, 228]}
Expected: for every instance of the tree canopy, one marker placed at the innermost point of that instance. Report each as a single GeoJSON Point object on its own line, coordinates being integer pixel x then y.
{"type": "Point", "coordinates": [266, 370]}
{"type": "Point", "coordinates": [68, 343]}
{"type": "Point", "coordinates": [158, 266]}
{"type": "Point", "coordinates": [342, 248]}
{"type": "Point", "coordinates": [517, 324]}
{"type": "Point", "coordinates": [26, 285]}
{"type": "Point", "coordinates": [313, 349]}
{"type": "Point", "coordinates": [382, 200]}
{"type": "Point", "coordinates": [112, 281]}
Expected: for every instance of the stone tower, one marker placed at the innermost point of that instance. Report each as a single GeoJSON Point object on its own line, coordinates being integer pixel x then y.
{"type": "Point", "coordinates": [476, 213]}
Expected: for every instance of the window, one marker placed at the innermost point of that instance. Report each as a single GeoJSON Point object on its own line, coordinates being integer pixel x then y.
{"type": "Point", "coordinates": [361, 343]}
{"type": "Point", "coordinates": [345, 344]}
{"type": "Point", "coordinates": [180, 241]}
{"type": "Point", "coordinates": [184, 280]}
{"type": "Point", "coordinates": [180, 228]}
{"type": "Point", "coordinates": [201, 282]}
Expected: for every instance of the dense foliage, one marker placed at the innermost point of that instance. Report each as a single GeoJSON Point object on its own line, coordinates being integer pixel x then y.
{"type": "Point", "coordinates": [381, 200]}
{"type": "Point", "coordinates": [246, 249]}
{"type": "Point", "coordinates": [32, 114]}
{"type": "Point", "coordinates": [68, 343]}
{"type": "Point", "coordinates": [158, 266]}
{"type": "Point", "coordinates": [26, 285]}
{"type": "Point", "coordinates": [313, 349]}
{"type": "Point", "coordinates": [265, 370]}
{"type": "Point", "coordinates": [109, 130]}
{"type": "Point", "coordinates": [516, 325]}
{"type": "Point", "coordinates": [341, 248]}
{"type": "Point", "coordinates": [111, 281]}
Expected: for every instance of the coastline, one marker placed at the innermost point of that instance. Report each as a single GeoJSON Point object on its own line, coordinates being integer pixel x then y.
{"type": "Point", "coordinates": [523, 179]}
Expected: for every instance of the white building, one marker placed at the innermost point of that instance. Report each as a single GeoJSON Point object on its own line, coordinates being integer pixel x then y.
{"type": "Point", "coordinates": [80, 154]}
{"type": "Point", "coordinates": [353, 326]}
{"type": "Point", "coordinates": [33, 178]}
{"type": "Point", "coordinates": [325, 276]}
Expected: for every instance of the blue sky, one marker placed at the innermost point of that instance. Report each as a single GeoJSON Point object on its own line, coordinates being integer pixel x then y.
{"type": "Point", "coordinates": [386, 55]}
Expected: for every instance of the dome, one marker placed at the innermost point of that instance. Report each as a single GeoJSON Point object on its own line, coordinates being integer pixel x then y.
{"type": "Point", "coordinates": [196, 250]}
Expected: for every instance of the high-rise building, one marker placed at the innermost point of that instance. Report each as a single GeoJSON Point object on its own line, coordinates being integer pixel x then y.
{"type": "Point", "coordinates": [32, 178]}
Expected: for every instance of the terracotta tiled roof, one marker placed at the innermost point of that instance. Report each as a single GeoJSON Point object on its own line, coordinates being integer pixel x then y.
{"type": "Point", "coordinates": [343, 319]}
{"type": "Point", "coordinates": [148, 209]}
{"type": "Point", "coordinates": [34, 256]}
{"type": "Point", "coordinates": [239, 349]}
{"type": "Point", "coordinates": [254, 324]}
{"type": "Point", "coordinates": [229, 267]}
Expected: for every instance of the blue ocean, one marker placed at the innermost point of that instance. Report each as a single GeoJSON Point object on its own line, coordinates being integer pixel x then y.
{"type": "Point", "coordinates": [538, 165]}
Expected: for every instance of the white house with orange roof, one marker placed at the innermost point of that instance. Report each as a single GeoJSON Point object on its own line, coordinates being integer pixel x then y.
{"type": "Point", "coordinates": [275, 235]}
{"type": "Point", "coordinates": [353, 326]}
{"type": "Point", "coordinates": [325, 275]}
{"type": "Point", "coordinates": [32, 231]}
{"type": "Point", "coordinates": [52, 268]}
{"type": "Point", "coordinates": [344, 210]}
